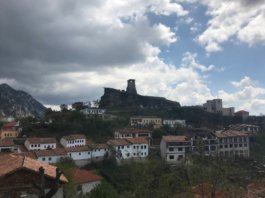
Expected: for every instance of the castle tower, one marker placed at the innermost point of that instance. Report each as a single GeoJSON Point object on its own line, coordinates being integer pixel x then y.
{"type": "Point", "coordinates": [131, 86]}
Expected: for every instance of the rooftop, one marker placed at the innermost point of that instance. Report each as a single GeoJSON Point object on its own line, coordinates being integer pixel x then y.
{"type": "Point", "coordinates": [83, 176]}
{"type": "Point", "coordinates": [174, 138]}
{"type": "Point", "coordinates": [133, 130]}
{"type": "Point", "coordinates": [230, 133]}
{"type": "Point", "coordinates": [137, 140]}
{"type": "Point", "coordinates": [6, 142]}
{"type": "Point", "coordinates": [11, 163]}
{"type": "Point", "coordinates": [99, 146]}
{"type": "Point", "coordinates": [74, 137]}
{"type": "Point", "coordinates": [118, 142]}
{"type": "Point", "coordinates": [78, 149]}
{"type": "Point", "coordinates": [37, 140]}
{"type": "Point", "coordinates": [50, 152]}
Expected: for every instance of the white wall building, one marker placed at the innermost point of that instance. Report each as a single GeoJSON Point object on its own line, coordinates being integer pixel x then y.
{"type": "Point", "coordinates": [232, 143]}
{"type": "Point", "coordinates": [173, 148]}
{"type": "Point", "coordinates": [133, 133]}
{"type": "Point", "coordinates": [140, 147]}
{"type": "Point", "coordinates": [80, 154]}
{"type": "Point", "coordinates": [99, 151]}
{"type": "Point", "coordinates": [143, 121]}
{"type": "Point", "coordinates": [36, 143]}
{"type": "Point", "coordinates": [51, 156]}
{"type": "Point", "coordinates": [174, 122]}
{"type": "Point", "coordinates": [73, 140]}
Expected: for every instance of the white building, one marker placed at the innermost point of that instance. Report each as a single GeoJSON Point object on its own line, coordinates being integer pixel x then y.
{"type": "Point", "coordinates": [8, 145]}
{"type": "Point", "coordinates": [140, 147]}
{"type": "Point", "coordinates": [174, 122]}
{"type": "Point", "coordinates": [99, 151]}
{"type": "Point", "coordinates": [93, 111]}
{"type": "Point", "coordinates": [233, 143]}
{"type": "Point", "coordinates": [80, 154]}
{"type": "Point", "coordinates": [51, 156]}
{"type": "Point", "coordinates": [130, 148]}
{"type": "Point", "coordinates": [247, 128]}
{"type": "Point", "coordinates": [145, 121]}
{"type": "Point", "coordinates": [36, 143]}
{"type": "Point", "coordinates": [173, 148]}
{"type": "Point", "coordinates": [84, 181]}
{"type": "Point", "coordinates": [73, 140]}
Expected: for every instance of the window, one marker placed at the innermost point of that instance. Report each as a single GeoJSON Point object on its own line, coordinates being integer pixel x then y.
{"type": "Point", "coordinates": [180, 149]}
{"type": "Point", "coordinates": [231, 145]}
{"type": "Point", "coordinates": [240, 145]}
{"type": "Point", "coordinates": [221, 146]}
{"type": "Point", "coordinates": [88, 153]}
{"type": "Point", "coordinates": [142, 147]}
{"type": "Point", "coordinates": [50, 158]}
{"type": "Point", "coordinates": [171, 157]}
{"type": "Point", "coordinates": [79, 153]}
{"type": "Point", "coordinates": [145, 146]}
{"type": "Point", "coordinates": [128, 146]}
{"type": "Point", "coordinates": [43, 159]}
{"type": "Point", "coordinates": [171, 149]}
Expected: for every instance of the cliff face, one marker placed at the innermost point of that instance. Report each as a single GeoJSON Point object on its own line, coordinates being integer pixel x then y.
{"type": "Point", "coordinates": [116, 98]}
{"type": "Point", "coordinates": [18, 103]}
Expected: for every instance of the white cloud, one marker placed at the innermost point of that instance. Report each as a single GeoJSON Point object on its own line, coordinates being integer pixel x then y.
{"type": "Point", "coordinates": [248, 96]}
{"type": "Point", "coordinates": [242, 19]}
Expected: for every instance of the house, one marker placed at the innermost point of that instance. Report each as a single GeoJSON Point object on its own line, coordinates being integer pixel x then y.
{"type": "Point", "coordinates": [22, 176]}
{"type": "Point", "coordinates": [99, 151]}
{"type": "Point", "coordinates": [36, 143]}
{"type": "Point", "coordinates": [142, 121]}
{"type": "Point", "coordinates": [10, 130]}
{"type": "Point", "coordinates": [247, 128]}
{"type": "Point", "coordinates": [140, 147]}
{"type": "Point", "coordinates": [136, 148]}
{"type": "Point", "coordinates": [73, 140]}
{"type": "Point", "coordinates": [51, 156]}
{"type": "Point", "coordinates": [133, 133]}
{"type": "Point", "coordinates": [122, 148]}
{"type": "Point", "coordinates": [8, 145]}
{"type": "Point", "coordinates": [174, 148]}
{"type": "Point", "coordinates": [84, 180]}
{"type": "Point", "coordinates": [93, 111]}
{"type": "Point", "coordinates": [233, 143]}
{"type": "Point", "coordinates": [80, 154]}
{"type": "Point", "coordinates": [216, 106]}
{"type": "Point", "coordinates": [204, 142]}
{"type": "Point", "coordinates": [174, 122]}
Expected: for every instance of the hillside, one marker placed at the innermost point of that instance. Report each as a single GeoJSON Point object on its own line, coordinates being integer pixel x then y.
{"type": "Point", "coordinates": [18, 103]}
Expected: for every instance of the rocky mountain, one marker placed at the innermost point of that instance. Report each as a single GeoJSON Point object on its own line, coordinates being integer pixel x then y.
{"type": "Point", "coordinates": [18, 103]}
{"type": "Point", "coordinates": [130, 98]}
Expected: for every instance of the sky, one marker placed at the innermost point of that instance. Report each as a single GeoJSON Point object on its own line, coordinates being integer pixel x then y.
{"type": "Point", "coordinates": [190, 51]}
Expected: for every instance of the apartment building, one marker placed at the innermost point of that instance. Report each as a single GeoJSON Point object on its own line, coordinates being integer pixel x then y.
{"type": "Point", "coordinates": [142, 121]}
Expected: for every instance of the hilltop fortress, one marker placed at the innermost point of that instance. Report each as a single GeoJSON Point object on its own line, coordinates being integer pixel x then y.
{"type": "Point", "coordinates": [130, 98]}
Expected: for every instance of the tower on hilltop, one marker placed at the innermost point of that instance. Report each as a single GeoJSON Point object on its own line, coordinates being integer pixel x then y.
{"type": "Point", "coordinates": [131, 86]}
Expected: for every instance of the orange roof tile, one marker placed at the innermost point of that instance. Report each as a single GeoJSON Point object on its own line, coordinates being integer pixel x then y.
{"type": "Point", "coordinates": [118, 142]}
{"type": "Point", "coordinates": [37, 140]}
{"type": "Point", "coordinates": [51, 152]}
{"type": "Point", "coordinates": [99, 146]}
{"type": "Point", "coordinates": [78, 149]}
{"type": "Point", "coordinates": [230, 133]}
{"type": "Point", "coordinates": [10, 163]}
{"type": "Point", "coordinates": [137, 140]}
{"type": "Point", "coordinates": [83, 176]}
{"type": "Point", "coordinates": [10, 124]}
{"type": "Point", "coordinates": [174, 138]}
{"type": "Point", "coordinates": [74, 137]}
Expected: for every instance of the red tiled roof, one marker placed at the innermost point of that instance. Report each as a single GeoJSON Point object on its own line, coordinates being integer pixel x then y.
{"type": "Point", "coordinates": [230, 133]}
{"type": "Point", "coordinates": [6, 142]}
{"type": "Point", "coordinates": [37, 140]}
{"type": "Point", "coordinates": [133, 130]}
{"type": "Point", "coordinates": [174, 138]}
{"type": "Point", "coordinates": [118, 142]}
{"type": "Point", "coordinates": [74, 137]}
{"type": "Point", "coordinates": [50, 152]}
{"type": "Point", "coordinates": [137, 140]}
{"type": "Point", "coordinates": [99, 146]}
{"type": "Point", "coordinates": [10, 124]}
{"type": "Point", "coordinates": [10, 163]}
{"type": "Point", "coordinates": [78, 149]}
{"type": "Point", "coordinates": [83, 176]}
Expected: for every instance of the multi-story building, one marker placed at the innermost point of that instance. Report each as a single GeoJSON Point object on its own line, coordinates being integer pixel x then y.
{"type": "Point", "coordinates": [81, 155]}
{"type": "Point", "coordinates": [99, 151]}
{"type": "Point", "coordinates": [129, 148]}
{"type": "Point", "coordinates": [51, 156]}
{"type": "Point", "coordinates": [73, 140]}
{"type": "Point", "coordinates": [174, 148]}
{"type": "Point", "coordinates": [93, 111]}
{"type": "Point", "coordinates": [142, 121]}
{"type": "Point", "coordinates": [204, 142]}
{"type": "Point", "coordinates": [216, 106]}
{"type": "Point", "coordinates": [8, 145]}
{"type": "Point", "coordinates": [36, 143]}
{"type": "Point", "coordinates": [10, 130]}
{"type": "Point", "coordinates": [133, 133]}
{"type": "Point", "coordinates": [174, 122]}
{"type": "Point", "coordinates": [233, 143]}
